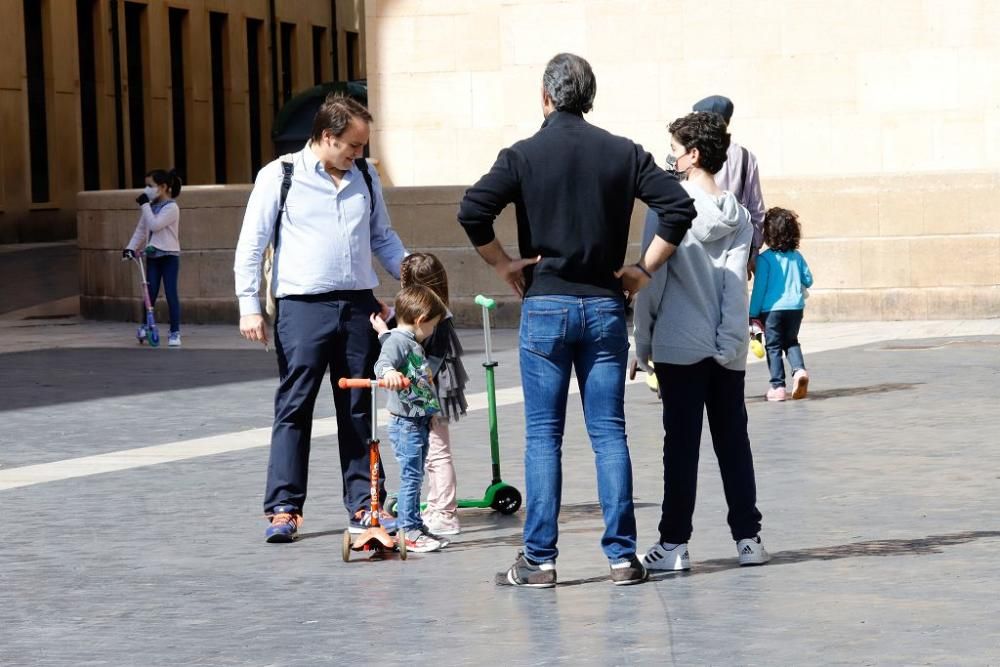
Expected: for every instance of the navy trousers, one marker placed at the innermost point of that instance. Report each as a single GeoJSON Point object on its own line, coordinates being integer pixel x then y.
{"type": "Point", "coordinates": [688, 393]}
{"type": "Point", "coordinates": [314, 335]}
{"type": "Point", "coordinates": [165, 268]}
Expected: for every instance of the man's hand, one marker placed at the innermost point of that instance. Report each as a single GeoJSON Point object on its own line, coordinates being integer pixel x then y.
{"type": "Point", "coordinates": [378, 324]}
{"type": "Point", "coordinates": [252, 327]}
{"type": "Point", "coordinates": [511, 271]}
{"type": "Point", "coordinates": [633, 279]}
{"type": "Point", "coordinates": [393, 380]}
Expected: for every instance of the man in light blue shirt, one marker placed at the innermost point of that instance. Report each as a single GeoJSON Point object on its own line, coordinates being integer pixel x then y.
{"type": "Point", "coordinates": [329, 231]}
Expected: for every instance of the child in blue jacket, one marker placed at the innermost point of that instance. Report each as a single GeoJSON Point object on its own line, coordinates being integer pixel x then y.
{"type": "Point", "coordinates": [778, 298]}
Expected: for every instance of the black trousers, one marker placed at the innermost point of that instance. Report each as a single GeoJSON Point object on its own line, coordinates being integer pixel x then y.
{"type": "Point", "coordinates": [313, 335]}
{"type": "Point", "coordinates": [687, 392]}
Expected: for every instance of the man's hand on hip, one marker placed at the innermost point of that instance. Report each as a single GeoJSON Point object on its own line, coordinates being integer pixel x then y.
{"type": "Point", "coordinates": [512, 272]}
{"type": "Point", "coordinates": [252, 327]}
{"type": "Point", "coordinates": [633, 279]}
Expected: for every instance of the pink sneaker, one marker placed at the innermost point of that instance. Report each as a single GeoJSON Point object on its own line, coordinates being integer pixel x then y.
{"type": "Point", "coordinates": [776, 394]}
{"type": "Point", "coordinates": [800, 384]}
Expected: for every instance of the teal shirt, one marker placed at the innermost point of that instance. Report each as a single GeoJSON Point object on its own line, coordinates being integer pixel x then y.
{"type": "Point", "coordinates": [778, 282]}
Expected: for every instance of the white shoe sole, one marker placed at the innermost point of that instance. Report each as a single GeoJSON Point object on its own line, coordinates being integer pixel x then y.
{"type": "Point", "coordinates": [670, 563]}
{"type": "Point", "coordinates": [800, 387]}
{"type": "Point", "coordinates": [510, 580]}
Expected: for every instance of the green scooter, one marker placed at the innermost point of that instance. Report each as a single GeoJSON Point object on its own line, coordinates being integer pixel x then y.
{"type": "Point", "coordinates": [499, 495]}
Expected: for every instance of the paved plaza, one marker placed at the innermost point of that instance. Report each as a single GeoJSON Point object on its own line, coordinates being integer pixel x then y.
{"type": "Point", "coordinates": [132, 482]}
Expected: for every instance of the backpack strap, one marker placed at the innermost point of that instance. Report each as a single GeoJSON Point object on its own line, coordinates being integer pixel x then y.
{"type": "Point", "coordinates": [362, 165]}
{"type": "Point", "coordinates": [743, 171]}
{"type": "Point", "coordinates": [287, 169]}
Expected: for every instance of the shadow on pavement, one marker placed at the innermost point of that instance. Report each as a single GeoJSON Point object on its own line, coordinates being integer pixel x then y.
{"type": "Point", "coordinates": [922, 546]}
{"type": "Point", "coordinates": [50, 377]}
{"type": "Point", "coordinates": [844, 392]}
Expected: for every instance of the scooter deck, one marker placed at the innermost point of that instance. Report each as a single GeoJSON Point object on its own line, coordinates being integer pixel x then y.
{"type": "Point", "coordinates": [374, 539]}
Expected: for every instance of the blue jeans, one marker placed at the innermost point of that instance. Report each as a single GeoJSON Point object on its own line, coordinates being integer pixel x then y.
{"type": "Point", "coordinates": [781, 334]}
{"type": "Point", "coordinates": [410, 440]}
{"type": "Point", "coordinates": [558, 334]}
{"type": "Point", "coordinates": [165, 268]}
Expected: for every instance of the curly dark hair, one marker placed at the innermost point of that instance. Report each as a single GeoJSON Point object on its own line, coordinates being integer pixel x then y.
{"type": "Point", "coordinates": [706, 132]}
{"type": "Point", "coordinates": [782, 231]}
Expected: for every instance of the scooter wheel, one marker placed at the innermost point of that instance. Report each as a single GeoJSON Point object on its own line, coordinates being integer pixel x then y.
{"type": "Point", "coordinates": [401, 544]}
{"type": "Point", "coordinates": [507, 500]}
{"type": "Point", "coordinates": [153, 336]}
{"type": "Point", "coordinates": [346, 550]}
{"type": "Point", "coordinates": [391, 505]}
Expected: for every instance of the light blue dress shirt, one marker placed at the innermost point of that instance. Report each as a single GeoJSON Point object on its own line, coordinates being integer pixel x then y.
{"type": "Point", "coordinates": [328, 234]}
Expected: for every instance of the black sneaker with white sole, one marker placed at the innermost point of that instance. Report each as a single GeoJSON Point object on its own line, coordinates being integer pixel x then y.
{"type": "Point", "coordinates": [628, 572]}
{"type": "Point", "coordinates": [528, 574]}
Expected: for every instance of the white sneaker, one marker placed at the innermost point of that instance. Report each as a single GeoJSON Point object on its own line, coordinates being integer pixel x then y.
{"type": "Point", "coordinates": [661, 559]}
{"type": "Point", "coordinates": [752, 552]}
{"type": "Point", "coordinates": [440, 524]}
{"type": "Point", "coordinates": [420, 542]}
{"type": "Point", "coordinates": [175, 339]}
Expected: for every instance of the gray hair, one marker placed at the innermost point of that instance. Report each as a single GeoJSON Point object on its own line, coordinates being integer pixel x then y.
{"type": "Point", "coordinates": [570, 83]}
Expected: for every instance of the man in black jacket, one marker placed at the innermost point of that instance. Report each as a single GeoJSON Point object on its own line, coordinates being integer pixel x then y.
{"type": "Point", "coordinates": [573, 186]}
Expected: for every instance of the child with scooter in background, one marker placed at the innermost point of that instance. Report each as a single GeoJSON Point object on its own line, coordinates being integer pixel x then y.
{"type": "Point", "coordinates": [156, 235]}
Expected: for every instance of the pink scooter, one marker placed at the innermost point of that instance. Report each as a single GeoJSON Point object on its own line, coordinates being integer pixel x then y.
{"type": "Point", "coordinates": [146, 332]}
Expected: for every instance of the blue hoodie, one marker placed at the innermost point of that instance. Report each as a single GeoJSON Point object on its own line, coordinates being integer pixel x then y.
{"type": "Point", "coordinates": [778, 283]}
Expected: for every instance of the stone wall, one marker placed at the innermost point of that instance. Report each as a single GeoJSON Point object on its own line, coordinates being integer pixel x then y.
{"type": "Point", "coordinates": [880, 248]}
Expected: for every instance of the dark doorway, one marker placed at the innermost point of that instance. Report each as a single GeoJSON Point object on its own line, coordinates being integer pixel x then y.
{"type": "Point", "coordinates": [178, 101]}
{"type": "Point", "coordinates": [254, 29]}
{"type": "Point", "coordinates": [136, 92]}
{"type": "Point", "coordinates": [287, 60]}
{"type": "Point", "coordinates": [88, 94]}
{"type": "Point", "coordinates": [38, 139]}
{"type": "Point", "coordinates": [217, 29]}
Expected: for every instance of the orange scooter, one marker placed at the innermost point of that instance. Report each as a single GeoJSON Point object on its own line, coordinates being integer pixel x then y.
{"type": "Point", "coordinates": [375, 540]}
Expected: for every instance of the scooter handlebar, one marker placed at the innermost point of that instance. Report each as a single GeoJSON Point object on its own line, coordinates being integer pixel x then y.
{"type": "Point", "coordinates": [486, 302]}
{"type": "Point", "coordinates": [361, 383]}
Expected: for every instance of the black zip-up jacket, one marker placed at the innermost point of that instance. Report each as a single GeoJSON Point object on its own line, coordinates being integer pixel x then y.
{"type": "Point", "coordinates": [573, 186]}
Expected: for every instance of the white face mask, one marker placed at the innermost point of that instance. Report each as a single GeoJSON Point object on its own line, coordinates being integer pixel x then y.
{"type": "Point", "coordinates": [151, 192]}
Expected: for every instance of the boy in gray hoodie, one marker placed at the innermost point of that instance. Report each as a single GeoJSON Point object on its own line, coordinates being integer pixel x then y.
{"type": "Point", "coordinates": [691, 330]}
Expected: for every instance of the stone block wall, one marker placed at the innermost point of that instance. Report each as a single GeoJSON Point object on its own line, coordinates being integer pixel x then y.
{"type": "Point", "coordinates": [880, 248]}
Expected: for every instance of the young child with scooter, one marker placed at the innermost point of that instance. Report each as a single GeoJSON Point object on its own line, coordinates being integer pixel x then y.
{"type": "Point", "coordinates": [411, 405]}
{"type": "Point", "coordinates": [444, 351]}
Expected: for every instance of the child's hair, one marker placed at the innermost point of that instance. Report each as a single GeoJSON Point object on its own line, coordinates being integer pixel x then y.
{"type": "Point", "coordinates": [705, 131]}
{"type": "Point", "coordinates": [423, 268]}
{"type": "Point", "coordinates": [418, 301]}
{"type": "Point", "coordinates": [168, 178]}
{"type": "Point", "coordinates": [781, 229]}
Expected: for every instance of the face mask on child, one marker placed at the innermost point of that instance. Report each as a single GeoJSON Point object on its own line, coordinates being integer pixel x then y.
{"type": "Point", "coordinates": [151, 192]}
{"type": "Point", "coordinates": [672, 166]}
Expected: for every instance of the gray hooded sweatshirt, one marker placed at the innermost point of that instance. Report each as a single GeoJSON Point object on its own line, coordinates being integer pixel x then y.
{"type": "Point", "coordinates": [696, 305]}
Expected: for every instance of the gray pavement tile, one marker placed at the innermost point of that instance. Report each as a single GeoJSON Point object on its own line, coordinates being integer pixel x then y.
{"type": "Point", "coordinates": [879, 502]}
